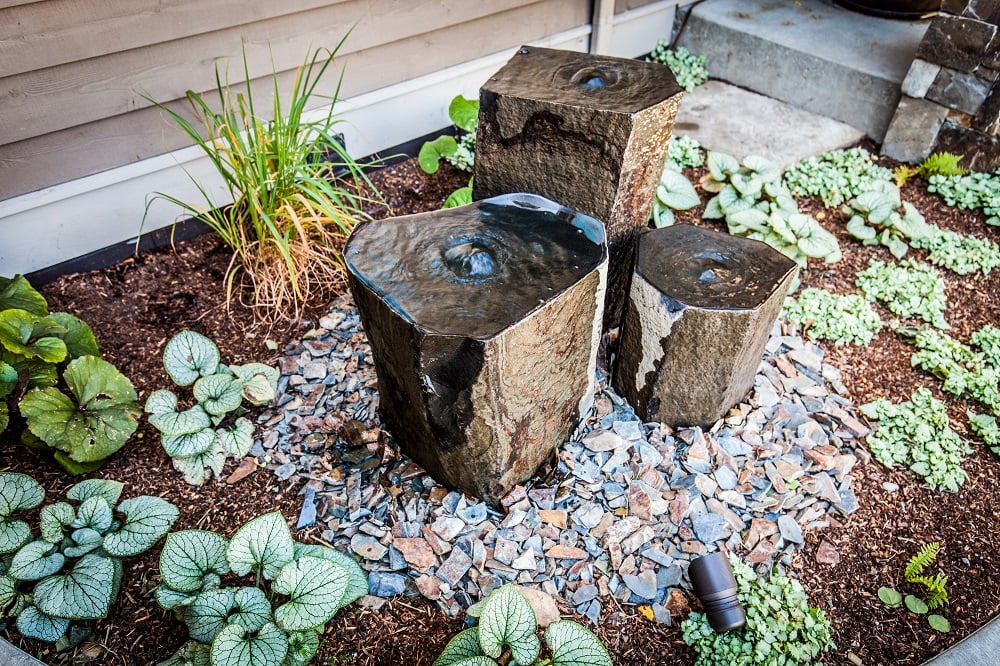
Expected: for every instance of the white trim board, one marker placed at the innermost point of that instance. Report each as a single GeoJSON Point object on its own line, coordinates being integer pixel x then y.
{"type": "Point", "coordinates": [43, 228]}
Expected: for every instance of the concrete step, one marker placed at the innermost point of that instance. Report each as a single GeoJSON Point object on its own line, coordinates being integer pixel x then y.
{"type": "Point", "coordinates": [809, 53]}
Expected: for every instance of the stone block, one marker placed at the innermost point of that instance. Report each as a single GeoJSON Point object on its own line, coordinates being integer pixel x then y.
{"type": "Point", "coordinates": [956, 7]}
{"type": "Point", "coordinates": [587, 131]}
{"type": "Point", "coordinates": [981, 150]}
{"type": "Point", "coordinates": [699, 314]}
{"type": "Point", "coordinates": [919, 78]}
{"type": "Point", "coordinates": [988, 118]}
{"type": "Point", "coordinates": [962, 91]}
{"type": "Point", "coordinates": [984, 10]}
{"type": "Point", "coordinates": [957, 43]}
{"type": "Point", "coordinates": [484, 323]}
{"type": "Point", "coordinates": [913, 129]}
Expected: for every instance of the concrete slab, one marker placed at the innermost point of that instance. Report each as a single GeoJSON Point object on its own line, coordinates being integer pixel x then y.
{"type": "Point", "coordinates": [739, 122]}
{"type": "Point", "coordinates": [980, 648]}
{"type": "Point", "coordinates": [12, 656]}
{"type": "Point", "coordinates": [811, 54]}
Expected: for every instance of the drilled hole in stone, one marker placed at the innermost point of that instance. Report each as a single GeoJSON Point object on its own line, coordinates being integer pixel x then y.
{"type": "Point", "coordinates": [594, 77]}
{"type": "Point", "coordinates": [471, 260]}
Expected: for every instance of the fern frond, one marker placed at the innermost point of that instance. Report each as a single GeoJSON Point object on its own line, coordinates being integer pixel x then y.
{"type": "Point", "coordinates": [942, 164]}
{"type": "Point", "coordinates": [915, 567]}
{"type": "Point", "coordinates": [937, 595]}
{"type": "Point", "coordinates": [903, 173]}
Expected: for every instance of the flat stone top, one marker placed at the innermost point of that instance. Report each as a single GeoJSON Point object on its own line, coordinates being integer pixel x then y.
{"type": "Point", "coordinates": [710, 269]}
{"type": "Point", "coordinates": [477, 269]}
{"type": "Point", "coordinates": [605, 83]}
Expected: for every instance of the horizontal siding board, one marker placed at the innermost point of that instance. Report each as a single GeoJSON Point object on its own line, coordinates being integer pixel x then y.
{"type": "Point", "coordinates": [38, 162]}
{"type": "Point", "coordinates": [626, 5]}
{"type": "Point", "coordinates": [57, 98]}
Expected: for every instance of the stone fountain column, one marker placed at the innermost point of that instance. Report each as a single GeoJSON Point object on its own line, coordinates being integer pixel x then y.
{"type": "Point", "coordinates": [484, 323]}
{"type": "Point", "coordinates": [699, 314]}
{"type": "Point", "coordinates": [588, 131]}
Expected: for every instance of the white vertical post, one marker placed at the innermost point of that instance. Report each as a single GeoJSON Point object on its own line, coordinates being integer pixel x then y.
{"type": "Point", "coordinates": [602, 26]}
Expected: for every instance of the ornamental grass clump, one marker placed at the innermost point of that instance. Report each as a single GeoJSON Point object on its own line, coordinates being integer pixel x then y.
{"type": "Point", "coordinates": [910, 289]}
{"type": "Point", "coordinates": [288, 220]}
{"type": "Point", "coordinates": [841, 319]}
{"type": "Point", "coordinates": [781, 629]}
{"type": "Point", "coordinates": [916, 433]}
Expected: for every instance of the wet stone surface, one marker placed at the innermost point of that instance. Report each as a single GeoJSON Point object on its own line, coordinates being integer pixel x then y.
{"type": "Point", "coordinates": [614, 520]}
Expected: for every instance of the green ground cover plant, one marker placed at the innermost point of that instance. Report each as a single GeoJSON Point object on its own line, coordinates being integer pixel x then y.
{"type": "Point", "coordinates": [781, 628]}
{"type": "Point", "coordinates": [56, 393]}
{"type": "Point", "coordinates": [987, 428]}
{"type": "Point", "coordinates": [683, 152]}
{"type": "Point", "coordinates": [274, 619]}
{"type": "Point", "coordinates": [841, 319]}
{"type": "Point", "coordinates": [73, 570]}
{"type": "Point", "coordinates": [836, 176]}
{"type": "Point", "coordinates": [964, 371]}
{"type": "Point", "coordinates": [506, 634]}
{"type": "Point", "coordinates": [464, 113]}
{"type": "Point", "coordinates": [916, 433]}
{"type": "Point", "coordinates": [909, 289]}
{"type": "Point", "coordinates": [289, 218]}
{"type": "Point", "coordinates": [754, 202]}
{"type": "Point", "coordinates": [199, 439]}
{"type": "Point", "coordinates": [689, 69]}
{"type": "Point", "coordinates": [977, 190]}
{"type": "Point", "coordinates": [675, 191]}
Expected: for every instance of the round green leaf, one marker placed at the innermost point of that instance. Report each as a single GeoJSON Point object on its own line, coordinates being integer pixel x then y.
{"type": "Point", "coordinates": [85, 593]}
{"type": "Point", "coordinates": [357, 586]}
{"type": "Point", "coordinates": [109, 490]}
{"type": "Point", "coordinates": [464, 645]}
{"type": "Point", "coordinates": [147, 519]}
{"type": "Point", "coordinates": [18, 491]}
{"type": "Point", "coordinates": [429, 157]}
{"type": "Point", "coordinates": [174, 424]}
{"type": "Point", "coordinates": [250, 370]}
{"type": "Point", "coordinates": [464, 113]}
{"type": "Point", "coordinates": [260, 382]}
{"type": "Point", "coordinates": [98, 424]}
{"type": "Point", "coordinates": [190, 554]}
{"type": "Point", "coordinates": [254, 610]}
{"type": "Point", "coordinates": [8, 380]}
{"type": "Point", "coordinates": [96, 513]}
{"type": "Point", "coordinates": [238, 439]}
{"type": "Point", "coordinates": [35, 561]}
{"type": "Point", "coordinates": [86, 540]}
{"type": "Point", "coordinates": [676, 191]}
{"type": "Point", "coordinates": [16, 293]}
{"type": "Point", "coordinates": [508, 619]}
{"type": "Point", "coordinates": [574, 645]}
{"type": "Point", "coordinates": [877, 205]}
{"type": "Point", "coordinates": [19, 336]}
{"type": "Point", "coordinates": [208, 614]}
{"type": "Point", "coordinates": [219, 394]}
{"type": "Point", "coordinates": [79, 337]}
{"type": "Point", "coordinates": [915, 604]}
{"type": "Point", "coordinates": [13, 535]}
{"type": "Point", "coordinates": [302, 647]}
{"type": "Point", "coordinates": [191, 653]}
{"type": "Point", "coordinates": [8, 590]}
{"type": "Point", "coordinates": [161, 401]}
{"type": "Point", "coordinates": [232, 648]}
{"type": "Point", "coordinates": [315, 586]}
{"type": "Point", "coordinates": [459, 197]}
{"type": "Point", "coordinates": [189, 355]}
{"type": "Point", "coordinates": [721, 164]}
{"type": "Point", "coordinates": [889, 596]}
{"type": "Point", "coordinates": [169, 599]}
{"type": "Point", "coordinates": [765, 169]}
{"type": "Point", "coordinates": [264, 545]}
{"type": "Point", "coordinates": [191, 444]}
{"type": "Point", "coordinates": [33, 623]}
{"type": "Point", "coordinates": [197, 469]}
{"type": "Point", "coordinates": [939, 623]}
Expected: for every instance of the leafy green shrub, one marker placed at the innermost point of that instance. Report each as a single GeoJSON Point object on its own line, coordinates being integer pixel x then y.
{"type": "Point", "coordinates": [200, 438]}
{"type": "Point", "coordinates": [841, 319]}
{"type": "Point", "coordinates": [236, 626]}
{"type": "Point", "coordinates": [674, 192]}
{"type": "Point", "coordinates": [464, 113]}
{"type": "Point", "coordinates": [917, 434]}
{"type": "Point", "coordinates": [55, 391]}
{"type": "Point", "coordinates": [781, 628]}
{"type": "Point", "coordinates": [908, 289]}
{"type": "Point", "coordinates": [755, 204]}
{"type": "Point", "coordinates": [507, 627]}
{"type": "Point", "coordinates": [964, 371]}
{"type": "Point", "coordinates": [683, 152]}
{"type": "Point", "coordinates": [975, 190]}
{"type": "Point", "coordinates": [73, 571]}
{"type": "Point", "coordinates": [688, 69]}
{"type": "Point", "coordinates": [836, 176]}
{"type": "Point", "coordinates": [987, 428]}
{"type": "Point", "coordinates": [288, 220]}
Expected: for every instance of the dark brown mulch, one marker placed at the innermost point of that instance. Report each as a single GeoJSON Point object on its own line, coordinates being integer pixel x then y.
{"type": "Point", "coordinates": [136, 306]}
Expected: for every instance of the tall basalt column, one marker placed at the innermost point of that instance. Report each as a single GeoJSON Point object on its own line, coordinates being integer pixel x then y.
{"type": "Point", "coordinates": [484, 323]}
{"type": "Point", "coordinates": [588, 131]}
{"type": "Point", "coordinates": [699, 314]}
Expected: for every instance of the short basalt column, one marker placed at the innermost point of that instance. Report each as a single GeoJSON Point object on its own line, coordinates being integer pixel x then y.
{"type": "Point", "coordinates": [484, 323]}
{"type": "Point", "coordinates": [585, 130]}
{"type": "Point", "coordinates": [700, 309]}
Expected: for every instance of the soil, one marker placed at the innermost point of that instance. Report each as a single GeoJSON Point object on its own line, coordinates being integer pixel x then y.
{"type": "Point", "coordinates": [137, 305]}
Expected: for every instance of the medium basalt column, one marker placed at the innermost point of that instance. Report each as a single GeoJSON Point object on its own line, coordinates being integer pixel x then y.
{"type": "Point", "coordinates": [484, 323]}
{"type": "Point", "coordinates": [588, 131]}
{"type": "Point", "coordinates": [700, 310]}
